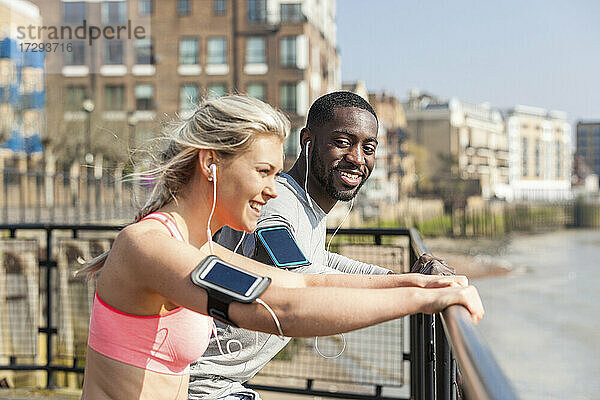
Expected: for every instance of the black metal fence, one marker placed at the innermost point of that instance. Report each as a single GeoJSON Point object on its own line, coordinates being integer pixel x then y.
{"type": "Point", "coordinates": [44, 316]}
{"type": "Point", "coordinates": [78, 195]}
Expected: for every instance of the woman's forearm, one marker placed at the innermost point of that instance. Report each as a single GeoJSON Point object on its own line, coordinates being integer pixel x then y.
{"type": "Point", "coordinates": [320, 311]}
{"type": "Point", "coordinates": [383, 281]}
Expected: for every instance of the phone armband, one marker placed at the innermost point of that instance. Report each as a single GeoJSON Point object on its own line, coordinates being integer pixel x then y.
{"type": "Point", "coordinates": [226, 283]}
{"type": "Point", "coordinates": [277, 246]}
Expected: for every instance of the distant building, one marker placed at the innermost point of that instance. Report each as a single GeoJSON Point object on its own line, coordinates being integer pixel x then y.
{"type": "Point", "coordinates": [22, 95]}
{"type": "Point", "coordinates": [588, 144]}
{"type": "Point", "coordinates": [463, 140]}
{"type": "Point", "coordinates": [540, 154]}
{"type": "Point", "coordinates": [283, 52]}
{"type": "Point", "coordinates": [399, 163]}
{"type": "Point", "coordinates": [358, 87]}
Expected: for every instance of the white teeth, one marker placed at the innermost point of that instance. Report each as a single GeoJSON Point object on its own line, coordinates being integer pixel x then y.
{"type": "Point", "coordinates": [256, 206]}
{"type": "Point", "coordinates": [351, 176]}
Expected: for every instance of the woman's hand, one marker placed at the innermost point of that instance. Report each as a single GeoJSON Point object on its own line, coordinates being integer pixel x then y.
{"type": "Point", "coordinates": [465, 296]}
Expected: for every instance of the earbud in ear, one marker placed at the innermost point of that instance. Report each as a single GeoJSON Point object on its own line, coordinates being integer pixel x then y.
{"type": "Point", "coordinates": [213, 171]}
{"type": "Point", "coordinates": [307, 144]}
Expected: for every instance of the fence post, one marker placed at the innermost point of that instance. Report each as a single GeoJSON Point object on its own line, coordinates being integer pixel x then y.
{"type": "Point", "coordinates": [22, 171]}
{"type": "Point", "coordinates": [443, 363]}
{"type": "Point", "coordinates": [75, 190]}
{"type": "Point", "coordinates": [50, 331]}
{"type": "Point", "coordinates": [49, 171]}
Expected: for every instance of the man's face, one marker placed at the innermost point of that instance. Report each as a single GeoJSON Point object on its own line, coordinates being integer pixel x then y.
{"type": "Point", "coordinates": [344, 153]}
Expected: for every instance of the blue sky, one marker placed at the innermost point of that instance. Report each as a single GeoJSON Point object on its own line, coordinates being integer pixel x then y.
{"type": "Point", "coordinates": [539, 53]}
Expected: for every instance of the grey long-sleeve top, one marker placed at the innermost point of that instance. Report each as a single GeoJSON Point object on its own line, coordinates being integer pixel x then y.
{"type": "Point", "coordinates": [215, 375]}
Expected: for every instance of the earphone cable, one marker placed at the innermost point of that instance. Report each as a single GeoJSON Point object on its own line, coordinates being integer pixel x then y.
{"type": "Point", "coordinates": [214, 203]}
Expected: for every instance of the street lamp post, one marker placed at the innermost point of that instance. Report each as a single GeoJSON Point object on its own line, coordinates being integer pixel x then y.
{"type": "Point", "coordinates": [132, 122]}
{"type": "Point", "coordinates": [88, 106]}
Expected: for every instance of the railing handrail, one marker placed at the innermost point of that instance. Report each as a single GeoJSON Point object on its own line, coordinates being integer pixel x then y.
{"type": "Point", "coordinates": [483, 377]}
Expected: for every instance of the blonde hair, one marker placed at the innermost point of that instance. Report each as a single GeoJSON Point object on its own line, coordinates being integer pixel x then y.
{"type": "Point", "coordinates": [227, 125]}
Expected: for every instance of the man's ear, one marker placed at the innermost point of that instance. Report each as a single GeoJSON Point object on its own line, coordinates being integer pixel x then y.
{"type": "Point", "coordinates": [205, 159]}
{"type": "Point", "coordinates": [305, 137]}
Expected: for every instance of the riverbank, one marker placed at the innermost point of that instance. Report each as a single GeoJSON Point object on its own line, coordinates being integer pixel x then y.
{"type": "Point", "coordinates": [475, 258]}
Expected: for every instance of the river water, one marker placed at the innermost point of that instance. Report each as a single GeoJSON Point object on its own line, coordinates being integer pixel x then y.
{"type": "Point", "coordinates": [543, 321]}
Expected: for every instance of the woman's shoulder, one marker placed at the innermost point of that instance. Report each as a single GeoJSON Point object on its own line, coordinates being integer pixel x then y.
{"type": "Point", "coordinates": [141, 237]}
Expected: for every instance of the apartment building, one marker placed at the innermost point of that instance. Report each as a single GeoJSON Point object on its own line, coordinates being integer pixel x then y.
{"type": "Point", "coordinates": [170, 53]}
{"type": "Point", "coordinates": [465, 140]}
{"type": "Point", "coordinates": [540, 154]}
{"type": "Point", "coordinates": [398, 163]}
{"type": "Point", "coordinates": [588, 144]}
{"type": "Point", "coordinates": [22, 96]}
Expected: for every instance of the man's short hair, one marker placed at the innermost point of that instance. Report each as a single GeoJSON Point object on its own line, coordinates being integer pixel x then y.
{"type": "Point", "coordinates": [321, 110]}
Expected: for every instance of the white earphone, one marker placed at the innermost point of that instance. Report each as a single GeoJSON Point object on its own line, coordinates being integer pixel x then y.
{"type": "Point", "coordinates": [213, 171]}
{"type": "Point", "coordinates": [212, 178]}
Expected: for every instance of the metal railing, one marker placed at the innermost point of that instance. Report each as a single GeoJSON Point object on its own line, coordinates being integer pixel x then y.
{"type": "Point", "coordinates": [483, 378]}
{"type": "Point", "coordinates": [433, 367]}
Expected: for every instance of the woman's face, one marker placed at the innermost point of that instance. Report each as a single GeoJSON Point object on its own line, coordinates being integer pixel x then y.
{"type": "Point", "coordinates": [246, 182]}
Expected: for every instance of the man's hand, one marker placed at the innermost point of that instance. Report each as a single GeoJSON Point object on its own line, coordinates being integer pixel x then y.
{"type": "Point", "coordinates": [430, 265]}
{"type": "Point", "coordinates": [437, 281]}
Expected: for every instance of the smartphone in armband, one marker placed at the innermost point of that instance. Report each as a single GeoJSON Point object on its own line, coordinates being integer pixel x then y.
{"type": "Point", "coordinates": [226, 283]}
{"type": "Point", "coordinates": [276, 246]}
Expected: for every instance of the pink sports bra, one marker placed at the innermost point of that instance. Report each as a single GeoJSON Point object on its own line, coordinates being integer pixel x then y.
{"type": "Point", "coordinates": [165, 343]}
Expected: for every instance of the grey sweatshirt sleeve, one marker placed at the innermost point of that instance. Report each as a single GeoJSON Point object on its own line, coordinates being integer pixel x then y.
{"type": "Point", "coordinates": [350, 266]}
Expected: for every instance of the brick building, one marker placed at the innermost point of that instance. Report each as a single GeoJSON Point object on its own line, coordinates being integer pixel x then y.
{"type": "Point", "coordinates": [171, 53]}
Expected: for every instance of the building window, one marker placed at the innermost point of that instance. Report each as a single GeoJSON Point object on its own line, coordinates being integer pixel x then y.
{"type": "Point", "coordinates": [291, 12]}
{"type": "Point", "coordinates": [77, 55]}
{"type": "Point", "coordinates": [144, 51]}
{"type": "Point", "coordinates": [220, 7]}
{"type": "Point", "coordinates": [74, 12]}
{"type": "Point", "coordinates": [255, 50]}
{"type": "Point", "coordinates": [288, 51]}
{"type": "Point", "coordinates": [114, 12]}
{"type": "Point", "coordinates": [288, 96]}
{"type": "Point", "coordinates": [188, 97]}
{"type": "Point", "coordinates": [145, 7]}
{"type": "Point", "coordinates": [114, 97]}
{"type": "Point", "coordinates": [113, 52]}
{"type": "Point", "coordinates": [144, 97]}
{"type": "Point", "coordinates": [75, 97]}
{"type": "Point", "coordinates": [188, 51]}
{"type": "Point", "coordinates": [257, 10]}
{"type": "Point", "coordinates": [216, 90]}
{"type": "Point", "coordinates": [183, 7]}
{"type": "Point", "coordinates": [217, 51]}
{"type": "Point", "coordinates": [538, 151]}
{"type": "Point", "coordinates": [257, 90]}
{"type": "Point", "coordinates": [524, 156]}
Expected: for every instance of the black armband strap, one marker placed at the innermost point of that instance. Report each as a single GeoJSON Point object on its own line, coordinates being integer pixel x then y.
{"type": "Point", "coordinates": [219, 309]}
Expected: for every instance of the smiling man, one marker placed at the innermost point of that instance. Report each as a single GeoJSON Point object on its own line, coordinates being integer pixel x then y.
{"type": "Point", "coordinates": [340, 140]}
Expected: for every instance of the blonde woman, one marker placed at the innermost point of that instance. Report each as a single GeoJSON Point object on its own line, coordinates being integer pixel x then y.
{"type": "Point", "coordinates": [149, 320]}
